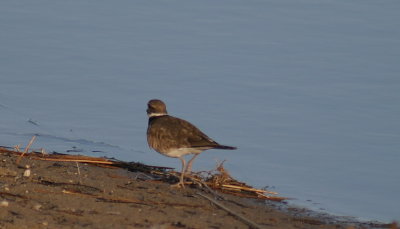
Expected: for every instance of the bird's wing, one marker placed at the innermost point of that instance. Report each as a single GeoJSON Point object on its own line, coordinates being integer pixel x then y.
{"type": "Point", "coordinates": [175, 132]}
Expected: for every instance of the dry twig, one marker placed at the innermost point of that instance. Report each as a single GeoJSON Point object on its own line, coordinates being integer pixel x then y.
{"type": "Point", "coordinates": [27, 148]}
{"type": "Point", "coordinates": [230, 211]}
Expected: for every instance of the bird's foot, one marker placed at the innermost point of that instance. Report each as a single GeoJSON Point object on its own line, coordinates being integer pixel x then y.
{"type": "Point", "coordinates": [180, 184]}
{"type": "Point", "coordinates": [188, 170]}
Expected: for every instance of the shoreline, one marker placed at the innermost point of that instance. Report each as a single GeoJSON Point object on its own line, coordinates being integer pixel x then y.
{"type": "Point", "coordinates": [69, 194]}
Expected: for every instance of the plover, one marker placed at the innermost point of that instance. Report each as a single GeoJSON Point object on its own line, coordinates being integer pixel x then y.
{"type": "Point", "coordinates": [175, 137]}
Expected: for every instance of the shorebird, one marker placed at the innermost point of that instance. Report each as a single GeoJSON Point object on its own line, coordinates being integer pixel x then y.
{"type": "Point", "coordinates": [175, 137]}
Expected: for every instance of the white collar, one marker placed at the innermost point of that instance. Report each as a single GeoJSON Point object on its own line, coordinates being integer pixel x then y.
{"type": "Point", "coordinates": [156, 114]}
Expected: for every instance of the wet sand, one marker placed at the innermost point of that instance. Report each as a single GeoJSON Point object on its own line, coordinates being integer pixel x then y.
{"type": "Point", "coordinates": [53, 194]}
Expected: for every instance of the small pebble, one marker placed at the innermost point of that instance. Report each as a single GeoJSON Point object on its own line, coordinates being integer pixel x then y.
{"type": "Point", "coordinates": [27, 173]}
{"type": "Point", "coordinates": [4, 203]}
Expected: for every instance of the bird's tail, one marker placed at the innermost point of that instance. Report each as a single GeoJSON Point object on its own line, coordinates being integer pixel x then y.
{"type": "Point", "coordinates": [225, 147]}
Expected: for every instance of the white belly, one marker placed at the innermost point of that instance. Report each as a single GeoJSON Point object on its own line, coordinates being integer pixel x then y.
{"type": "Point", "coordinates": [183, 151]}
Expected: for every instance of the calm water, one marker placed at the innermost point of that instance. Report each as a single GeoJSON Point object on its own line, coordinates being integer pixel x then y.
{"type": "Point", "coordinates": [308, 90]}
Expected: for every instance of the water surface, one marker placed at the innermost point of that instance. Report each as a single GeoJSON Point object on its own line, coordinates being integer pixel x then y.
{"type": "Point", "coordinates": [308, 90]}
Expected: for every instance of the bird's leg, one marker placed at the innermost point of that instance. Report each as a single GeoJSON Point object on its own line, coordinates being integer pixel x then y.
{"type": "Point", "coordinates": [181, 184]}
{"type": "Point", "coordinates": [189, 166]}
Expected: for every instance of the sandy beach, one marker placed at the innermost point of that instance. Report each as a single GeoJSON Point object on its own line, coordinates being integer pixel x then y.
{"type": "Point", "coordinates": [68, 194]}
